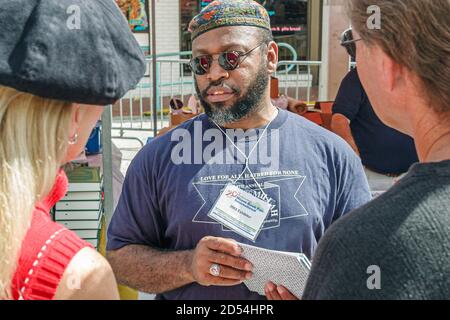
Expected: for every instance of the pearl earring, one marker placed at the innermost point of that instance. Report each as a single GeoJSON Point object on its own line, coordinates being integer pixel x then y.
{"type": "Point", "coordinates": [73, 140]}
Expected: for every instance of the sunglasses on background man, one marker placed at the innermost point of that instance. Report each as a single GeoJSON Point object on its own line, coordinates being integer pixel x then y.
{"type": "Point", "coordinates": [349, 43]}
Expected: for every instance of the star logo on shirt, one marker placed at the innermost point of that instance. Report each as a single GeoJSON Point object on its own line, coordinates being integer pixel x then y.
{"type": "Point", "coordinates": [278, 189]}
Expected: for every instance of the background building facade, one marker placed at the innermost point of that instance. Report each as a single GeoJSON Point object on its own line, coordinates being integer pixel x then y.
{"type": "Point", "coordinates": [311, 27]}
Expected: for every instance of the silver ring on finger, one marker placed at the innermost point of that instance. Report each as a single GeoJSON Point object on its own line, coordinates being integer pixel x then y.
{"type": "Point", "coordinates": [214, 270]}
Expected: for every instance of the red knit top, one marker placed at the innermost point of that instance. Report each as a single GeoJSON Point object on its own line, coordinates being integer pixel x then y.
{"type": "Point", "coordinates": [47, 250]}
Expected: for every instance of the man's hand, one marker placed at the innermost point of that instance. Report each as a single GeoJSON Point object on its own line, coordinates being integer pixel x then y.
{"type": "Point", "coordinates": [274, 292]}
{"type": "Point", "coordinates": [224, 252]}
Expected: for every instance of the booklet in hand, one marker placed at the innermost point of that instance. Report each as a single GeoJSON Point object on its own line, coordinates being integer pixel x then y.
{"type": "Point", "coordinates": [282, 268]}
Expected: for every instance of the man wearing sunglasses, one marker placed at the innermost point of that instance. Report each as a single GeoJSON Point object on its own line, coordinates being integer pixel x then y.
{"type": "Point", "coordinates": [397, 247]}
{"type": "Point", "coordinates": [385, 152]}
{"type": "Point", "coordinates": [166, 236]}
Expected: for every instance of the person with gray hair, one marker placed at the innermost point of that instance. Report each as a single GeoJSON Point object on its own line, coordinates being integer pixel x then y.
{"type": "Point", "coordinates": [398, 245]}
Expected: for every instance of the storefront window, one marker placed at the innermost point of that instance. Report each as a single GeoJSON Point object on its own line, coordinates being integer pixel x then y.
{"type": "Point", "coordinates": [188, 10]}
{"type": "Point", "coordinates": [289, 20]}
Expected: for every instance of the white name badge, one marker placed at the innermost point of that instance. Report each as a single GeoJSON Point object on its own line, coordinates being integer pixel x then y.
{"type": "Point", "coordinates": [240, 211]}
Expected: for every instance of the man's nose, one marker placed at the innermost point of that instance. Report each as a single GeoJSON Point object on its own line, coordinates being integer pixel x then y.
{"type": "Point", "coordinates": [216, 72]}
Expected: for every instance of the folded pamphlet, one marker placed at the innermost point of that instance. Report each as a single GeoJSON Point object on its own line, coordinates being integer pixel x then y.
{"type": "Point", "coordinates": [282, 268]}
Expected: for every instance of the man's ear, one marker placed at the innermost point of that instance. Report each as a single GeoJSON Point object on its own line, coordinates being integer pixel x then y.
{"type": "Point", "coordinates": [392, 73]}
{"type": "Point", "coordinates": [272, 57]}
{"type": "Point", "coordinates": [398, 81]}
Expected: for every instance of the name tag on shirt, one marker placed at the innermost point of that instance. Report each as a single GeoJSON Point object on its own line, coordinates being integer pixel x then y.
{"type": "Point", "coordinates": [240, 211]}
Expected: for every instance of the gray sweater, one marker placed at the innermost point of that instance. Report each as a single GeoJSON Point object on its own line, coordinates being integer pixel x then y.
{"type": "Point", "coordinates": [395, 247]}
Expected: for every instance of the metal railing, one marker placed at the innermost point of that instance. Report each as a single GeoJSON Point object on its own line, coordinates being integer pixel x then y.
{"type": "Point", "coordinates": [298, 77]}
{"type": "Point", "coordinates": [134, 112]}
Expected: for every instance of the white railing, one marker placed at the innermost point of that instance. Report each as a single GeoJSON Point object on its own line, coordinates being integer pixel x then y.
{"type": "Point", "coordinates": [298, 79]}
{"type": "Point", "coordinates": [134, 112]}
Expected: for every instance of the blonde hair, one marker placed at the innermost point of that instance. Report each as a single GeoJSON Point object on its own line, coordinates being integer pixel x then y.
{"type": "Point", "coordinates": [34, 135]}
{"type": "Point", "coordinates": [415, 34]}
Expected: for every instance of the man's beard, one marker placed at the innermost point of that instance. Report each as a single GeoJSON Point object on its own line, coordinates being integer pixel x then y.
{"type": "Point", "coordinates": [244, 107]}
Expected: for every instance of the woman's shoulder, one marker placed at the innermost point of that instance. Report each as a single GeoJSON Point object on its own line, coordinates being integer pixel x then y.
{"type": "Point", "coordinates": [47, 250]}
{"type": "Point", "coordinates": [88, 277]}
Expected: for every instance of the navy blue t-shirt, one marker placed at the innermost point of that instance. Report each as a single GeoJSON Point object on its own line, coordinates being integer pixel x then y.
{"type": "Point", "coordinates": [313, 178]}
{"type": "Point", "coordinates": [383, 149]}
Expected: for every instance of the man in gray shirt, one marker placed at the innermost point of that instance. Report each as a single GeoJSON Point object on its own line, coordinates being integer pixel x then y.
{"type": "Point", "coordinates": [397, 246]}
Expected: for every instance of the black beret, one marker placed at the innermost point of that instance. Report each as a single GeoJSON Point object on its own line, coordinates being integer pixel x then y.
{"type": "Point", "coordinates": [79, 51]}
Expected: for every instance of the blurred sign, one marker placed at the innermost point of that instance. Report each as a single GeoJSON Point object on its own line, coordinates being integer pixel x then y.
{"type": "Point", "coordinates": [136, 13]}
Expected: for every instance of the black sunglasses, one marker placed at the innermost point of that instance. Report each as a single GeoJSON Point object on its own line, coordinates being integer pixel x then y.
{"type": "Point", "coordinates": [348, 42]}
{"type": "Point", "coordinates": [227, 60]}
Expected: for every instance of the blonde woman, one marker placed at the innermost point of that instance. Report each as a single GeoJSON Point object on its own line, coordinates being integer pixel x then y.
{"type": "Point", "coordinates": [54, 80]}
